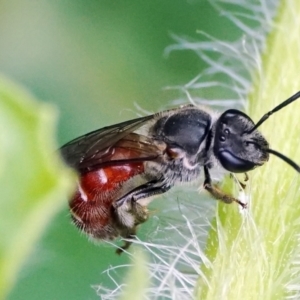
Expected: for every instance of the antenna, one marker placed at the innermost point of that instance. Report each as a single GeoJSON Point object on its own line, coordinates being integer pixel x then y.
{"type": "Point", "coordinates": [277, 108]}
{"type": "Point", "coordinates": [284, 158]}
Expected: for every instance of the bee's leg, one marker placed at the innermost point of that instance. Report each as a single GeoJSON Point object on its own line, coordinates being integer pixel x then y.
{"type": "Point", "coordinates": [128, 208]}
{"type": "Point", "coordinates": [217, 193]}
{"type": "Point", "coordinates": [127, 218]}
{"type": "Point", "coordinates": [243, 184]}
{"type": "Point", "coordinates": [151, 188]}
{"type": "Point", "coordinates": [140, 215]}
{"type": "Point", "coordinates": [126, 244]}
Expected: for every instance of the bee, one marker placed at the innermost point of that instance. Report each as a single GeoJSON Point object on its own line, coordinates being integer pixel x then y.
{"type": "Point", "coordinates": [122, 166]}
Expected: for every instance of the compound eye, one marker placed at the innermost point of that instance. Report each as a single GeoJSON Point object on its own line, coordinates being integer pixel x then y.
{"type": "Point", "coordinates": [234, 164]}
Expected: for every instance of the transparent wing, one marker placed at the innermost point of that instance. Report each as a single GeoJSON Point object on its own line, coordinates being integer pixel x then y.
{"type": "Point", "coordinates": [116, 144]}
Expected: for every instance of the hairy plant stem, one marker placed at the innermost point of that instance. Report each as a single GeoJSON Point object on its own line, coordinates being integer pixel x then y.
{"type": "Point", "coordinates": [256, 255]}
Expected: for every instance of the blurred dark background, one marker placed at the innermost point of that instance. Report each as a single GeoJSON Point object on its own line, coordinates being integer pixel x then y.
{"type": "Point", "coordinates": [97, 61]}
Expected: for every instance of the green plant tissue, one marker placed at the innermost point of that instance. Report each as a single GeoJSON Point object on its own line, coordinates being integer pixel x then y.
{"type": "Point", "coordinates": [34, 183]}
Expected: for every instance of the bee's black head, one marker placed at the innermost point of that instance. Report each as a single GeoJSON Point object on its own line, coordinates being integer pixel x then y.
{"type": "Point", "coordinates": [236, 149]}
{"type": "Point", "coordinates": [239, 146]}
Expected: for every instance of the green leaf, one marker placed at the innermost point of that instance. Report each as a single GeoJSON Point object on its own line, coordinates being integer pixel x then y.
{"type": "Point", "coordinates": [34, 183]}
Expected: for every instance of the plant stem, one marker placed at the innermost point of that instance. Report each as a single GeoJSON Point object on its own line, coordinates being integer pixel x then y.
{"type": "Point", "coordinates": [256, 255]}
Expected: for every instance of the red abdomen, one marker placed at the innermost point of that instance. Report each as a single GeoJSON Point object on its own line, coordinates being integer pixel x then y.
{"type": "Point", "coordinates": [91, 206]}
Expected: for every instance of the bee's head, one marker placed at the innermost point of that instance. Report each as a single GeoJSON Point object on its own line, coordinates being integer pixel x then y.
{"type": "Point", "coordinates": [239, 146]}
{"type": "Point", "coordinates": [237, 150]}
